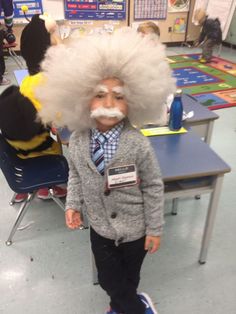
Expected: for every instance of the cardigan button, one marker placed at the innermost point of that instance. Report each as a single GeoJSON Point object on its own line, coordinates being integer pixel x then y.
{"type": "Point", "coordinates": [113, 215]}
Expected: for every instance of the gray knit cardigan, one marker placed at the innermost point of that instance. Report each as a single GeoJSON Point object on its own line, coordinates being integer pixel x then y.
{"type": "Point", "coordinates": [127, 213]}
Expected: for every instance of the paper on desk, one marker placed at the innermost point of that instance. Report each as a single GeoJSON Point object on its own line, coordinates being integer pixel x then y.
{"type": "Point", "coordinates": [163, 130]}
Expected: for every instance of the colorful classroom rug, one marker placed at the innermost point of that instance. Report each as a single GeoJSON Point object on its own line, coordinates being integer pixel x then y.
{"type": "Point", "coordinates": [212, 84]}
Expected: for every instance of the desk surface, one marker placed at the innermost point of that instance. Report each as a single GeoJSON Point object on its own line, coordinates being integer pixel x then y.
{"type": "Point", "coordinates": [183, 156]}
{"type": "Point", "coordinates": [20, 75]}
{"type": "Point", "coordinates": [201, 113]}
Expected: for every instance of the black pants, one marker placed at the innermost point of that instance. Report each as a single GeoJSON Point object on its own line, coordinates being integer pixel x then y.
{"type": "Point", "coordinates": [119, 271]}
{"type": "Point", "coordinates": [207, 49]}
{"type": "Point", "coordinates": [2, 62]}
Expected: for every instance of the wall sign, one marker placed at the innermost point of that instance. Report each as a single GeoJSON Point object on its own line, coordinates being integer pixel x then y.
{"type": "Point", "coordinates": [95, 9]}
{"type": "Point", "coordinates": [35, 7]}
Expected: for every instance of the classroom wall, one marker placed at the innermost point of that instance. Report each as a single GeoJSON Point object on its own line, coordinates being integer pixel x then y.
{"type": "Point", "coordinates": [56, 9]}
{"type": "Point", "coordinates": [193, 31]}
{"type": "Point", "coordinates": [166, 26]}
{"type": "Point", "coordinates": [231, 36]}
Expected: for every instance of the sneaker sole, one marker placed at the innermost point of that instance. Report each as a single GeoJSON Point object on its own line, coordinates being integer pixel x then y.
{"type": "Point", "coordinates": [60, 196]}
{"type": "Point", "coordinates": [48, 197]}
{"type": "Point", "coordinates": [150, 302]}
{"type": "Point", "coordinates": [43, 197]}
{"type": "Point", "coordinates": [20, 201]}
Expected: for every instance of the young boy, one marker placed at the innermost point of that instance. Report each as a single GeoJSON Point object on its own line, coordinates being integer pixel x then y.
{"type": "Point", "coordinates": [148, 28]}
{"type": "Point", "coordinates": [3, 80]}
{"type": "Point", "coordinates": [114, 173]}
{"type": "Point", "coordinates": [210, 36]}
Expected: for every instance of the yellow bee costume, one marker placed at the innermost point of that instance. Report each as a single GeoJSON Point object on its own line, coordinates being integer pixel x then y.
{"type": "Point", "coordinates": [19, 106]}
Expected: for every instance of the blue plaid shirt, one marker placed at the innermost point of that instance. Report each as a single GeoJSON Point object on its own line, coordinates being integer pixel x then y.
{"type": "Point", "coordinates": [110, 146]}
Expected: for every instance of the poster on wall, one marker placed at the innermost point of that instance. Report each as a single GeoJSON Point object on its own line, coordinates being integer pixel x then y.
{"type": "Point", "coordinates": [178, 5]}
{"type": "Point", "coordinates": [150, 9]}
{"type": "Point", "coordinates": [34, 7]}
{"type": "Point", "coordinates": [179, 25]}
{"type": "Point", "coordinates": [95, 9]}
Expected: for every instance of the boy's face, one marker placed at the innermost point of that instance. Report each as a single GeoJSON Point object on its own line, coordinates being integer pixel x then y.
{"type": "Point", "coordinates": [108, 107]}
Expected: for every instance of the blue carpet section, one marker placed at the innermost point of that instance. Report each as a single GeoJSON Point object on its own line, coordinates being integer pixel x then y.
{"type": "Point", "coordinates": [191, 76]}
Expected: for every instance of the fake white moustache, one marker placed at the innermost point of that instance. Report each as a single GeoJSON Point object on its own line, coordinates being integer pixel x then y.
{"type": "Point", "coordinates": [106, 112]}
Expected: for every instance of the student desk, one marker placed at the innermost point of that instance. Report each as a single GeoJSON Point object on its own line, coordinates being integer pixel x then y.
{"type": "Point", "coordinates": [186, 156]}
{"type": "Point", "coordinates": [203, 120]}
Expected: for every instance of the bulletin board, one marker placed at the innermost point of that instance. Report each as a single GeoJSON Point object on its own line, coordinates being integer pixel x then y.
{"type": "Point", "coordinates": [34, 7]}
{"type": "Point", "coordinates": [114, 10]}
{"type": "Point", "coordinates": [54, 7]}
{"type": "Point", "coordinates": [150, 9]}
{"type": "Point", "coordinates": [95, 10]}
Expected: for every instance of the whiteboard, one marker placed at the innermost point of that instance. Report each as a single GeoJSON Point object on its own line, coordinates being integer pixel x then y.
{"type": "Point", "coordinates": [222, 9]}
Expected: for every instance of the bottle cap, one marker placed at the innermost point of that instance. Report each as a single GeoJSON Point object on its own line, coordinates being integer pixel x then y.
{"type": "Point", "coordinates": [178, 92]}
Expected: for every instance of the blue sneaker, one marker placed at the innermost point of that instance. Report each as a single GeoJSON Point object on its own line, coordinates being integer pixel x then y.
{"type": "Point", "coordinates": [148, 303]}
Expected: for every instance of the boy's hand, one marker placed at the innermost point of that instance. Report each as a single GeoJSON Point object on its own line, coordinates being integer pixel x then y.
{"type": "Point", "coordinates": [152, 243]}
{"type": "Point", "coordinates": [73, 219]}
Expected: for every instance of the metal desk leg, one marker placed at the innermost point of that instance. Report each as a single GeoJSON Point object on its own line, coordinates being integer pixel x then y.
{"type": "Point", "coordinates": [16, 58]}
{"type": "Point", "coordinates": [207, 139]}
{"type": "Point", "coordinates": [211, 213]}
{"type": "Point", "coordinates": [94, 270]}
{"type": "Point", "coordinates": [12, 201]}
{"type": "Point", "coordinates": [174, 206]}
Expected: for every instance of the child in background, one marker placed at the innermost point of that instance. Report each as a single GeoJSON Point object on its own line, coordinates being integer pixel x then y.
{"type": "Point", "coordinates": [7, 34]}
{"type": "Point", "coordinates": [151, 29]}
{"type": "Point", "coordinates": [210, 36]}
{"type": "Point", "coordinates": [148, 28]}
{"type": "Point", "coordinates": [19, 105]}
{"type": "Point", "coordinates": [7, 7]}
{"type": "Point", "coordinates": [107, 86]}
{"type": "Point", "coordinates": [3, 80]}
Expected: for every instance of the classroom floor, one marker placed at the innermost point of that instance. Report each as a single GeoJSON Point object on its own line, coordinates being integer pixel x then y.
{"type": "Point", "coordinates": [48, 269]}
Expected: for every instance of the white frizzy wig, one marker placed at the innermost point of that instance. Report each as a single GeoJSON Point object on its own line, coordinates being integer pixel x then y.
{"type": "Point", "coordinates": [72, 72]}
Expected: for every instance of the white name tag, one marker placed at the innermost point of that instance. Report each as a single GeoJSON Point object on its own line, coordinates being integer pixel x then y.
{"type": "Point", "coordinates": [121, 176]}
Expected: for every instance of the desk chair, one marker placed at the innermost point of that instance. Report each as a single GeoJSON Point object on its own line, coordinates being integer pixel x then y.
{"type": "Point", "coordinates": [13, 55]}
{"type": "Point", "coordinates": [29, 175]}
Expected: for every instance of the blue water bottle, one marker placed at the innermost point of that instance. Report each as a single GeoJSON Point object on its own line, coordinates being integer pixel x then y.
{"type": "Point", "coordinates": [176, 112]}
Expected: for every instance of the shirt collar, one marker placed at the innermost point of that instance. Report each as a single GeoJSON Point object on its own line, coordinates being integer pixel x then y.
{"type": "Point", "coordinates": [111, 134]}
